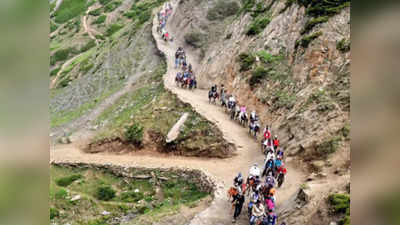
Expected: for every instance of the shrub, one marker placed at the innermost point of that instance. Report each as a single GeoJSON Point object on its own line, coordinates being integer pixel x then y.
{"type": "Point", "coordinates": [131, 196]}
{"type": "Point", "coordinates": [345, 131]}
{"type": "Point", "coordinates": [328, 147]}
{"type": "Point", "coordinates": [258, 25]}
{"type": "Point", "coordinates": [99, 36]}
{"type": "Point", "coordinates": [90, 44]}
{"type": "Point", "coordinates": [343, 45]}
{"type": "Point", "coordinates": [222, 10]}
{"type": "Point", "coordinates": [64, 82]}
{"type": "Point", "coordinates": [340, 202]}
{"type": "Point", "coordinates": [112, 6]}
{"type": "Point", "coordinates": [54, 213]}
{"type": "Point", "coordinates": [104, 2]}
{"type": "Point", "coordinates": [283, 99]}
{"type": "Point", "coordinates": [100, 19]}
{"type": "Point", "coordinates": [113, 28]}
{"type": "Point", "coordinates": [62, 54]}
{"type": "Point", "coordinates": [312, 22]}
{"type": "Point", "coordinates": [96, 12]}
{"type": "Point", "coordinates": [105, 193]}
{"type": "Point", "coordinates": [134, 134]}
{"type": "Point", "coordinates": [247, 5]}
{"type": "Point", "coordinates": [195, 39]}
{"type": "Point", "coordinates": [65, 181]}
{"type": "Point", "coordinates": [267, 57]}
{"type": "Point", "coordinates": [70, 9]}
{"type": "Point", "coordinates": [246, 61]}
{"type": "Point", "coordinates": [258, 74]}
{"type": "Point", "coordinates": [85, 66]}
{"type": "Point", "coordinates": [54, 72]}
{"type": "Point", "coordinates": [53, 27]}
{"type": "Point", "coordinates": [305, 41]}
{"type": "Point", "coordinates": [61, 194]}
{"type": "Point", "coordinates": [144, 17]}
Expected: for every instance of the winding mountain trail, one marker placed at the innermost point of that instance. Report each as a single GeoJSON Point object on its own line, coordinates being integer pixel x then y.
{"type": "Point", "coordinates": [222, 170]}
{"type": "Point", "coordinates": [87, 28]}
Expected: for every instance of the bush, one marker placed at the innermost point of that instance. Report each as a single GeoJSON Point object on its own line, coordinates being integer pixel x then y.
{"type": "Point", "coordinates": [54, 72]}
{"type": "Point", "coordinates": [222, 10]}
{"type": "Point", "coordinates": [112, 6]}
{"type": "Point", "coordinates": [195, 39]}
{"type": "Point", "coordinates": [62, 54]}
{"type": "Point", "coordinates": [312, 22]}
{"type": "Point", "coordinates": [343, 45]}
{"type": "Point", "coordinates": [54, 213]}
{"type": "Point", "coordinates": [144, 17]}
{"type": "Point", "coordinates": [64, 82]}
{"type": "Point", "coordinates": [246, 61]}
{"type": "Point", "coordinates": [267, 57]}
{"type": "Point", "coordinates": [283, 99]}
{"type": "Point", "coordinates": [113, 28]}
{"type": "Point", "coordinates": [131, 196]}
{"type": "Point", "coordinates": [258, 74]}
{"type": "Point", "coordinates": [328, 147]}
{"type": "Point", "coordinates": [258, 25]}
{"type": "Point", "coordinates": [100, 19]}
{"type": "Point", "coordinates": [96, 12]}
{"type": "Point", "coordinates": [85, 66]}
{"type": "Point", "coordinates": [105, 193]}
{"type": "Point", "coordinates": [305, 41]}
{"type": "Point", "coordinates": [90, 44]}
{"type": "Point", "coordinates": [65, 181]}
{"type": "Point", "coordinates": [53, 27]}
{"type": "Point", "coordinates": [134, 134]}
{"type": "Point", "coordinates": [70, 9]}
{"type": "Point", "coordinates": [99, 36]}
{"type": "Point", "coordinates": [61, 194]}
{"type": "Point", "coordinates": [104, 2]}
{"type": "Point", "coordinates": [340, 202]}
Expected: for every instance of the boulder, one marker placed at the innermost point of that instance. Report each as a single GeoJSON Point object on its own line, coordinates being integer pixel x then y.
{"type": "Point", "coordinates": [318, 165]}
{"type": "Point", "coordinates": [75, 198]}
{"type": "Point", "coordinates": [65, 140]}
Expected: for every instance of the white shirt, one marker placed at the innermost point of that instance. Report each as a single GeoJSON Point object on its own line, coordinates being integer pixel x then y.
{"type": "Point", "coordinates": [254, 171]}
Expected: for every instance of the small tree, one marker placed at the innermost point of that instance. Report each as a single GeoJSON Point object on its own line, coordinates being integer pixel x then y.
{"type": "Point", "coordinates": [134, 134]}
{"type": "Point", "coordinates": [105, 193]}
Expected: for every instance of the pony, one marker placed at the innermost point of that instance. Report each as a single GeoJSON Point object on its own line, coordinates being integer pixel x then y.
{"type": "Point", "coordinates": [212, 96]}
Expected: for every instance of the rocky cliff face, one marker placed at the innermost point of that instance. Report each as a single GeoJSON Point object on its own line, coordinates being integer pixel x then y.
{"type": "Point", "coordinates": [295, 75]}
{"type": "Point", "coordinates": [289, 61]}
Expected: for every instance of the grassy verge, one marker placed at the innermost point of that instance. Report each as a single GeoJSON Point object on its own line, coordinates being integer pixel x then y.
{"type": "Point", "coordinates": [157, 110]}
{"type": "Point", "coordinates": [101, 191]}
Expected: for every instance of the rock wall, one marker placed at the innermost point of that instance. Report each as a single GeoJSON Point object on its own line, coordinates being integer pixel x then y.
{"type": "Point", "coordinates": [203, 181]}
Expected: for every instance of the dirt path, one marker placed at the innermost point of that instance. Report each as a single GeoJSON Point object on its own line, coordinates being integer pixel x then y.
{"type": "Point", "coordinates": [223, 170]}
{"type": "Point", "coordinates": [67, 63]}
{"type": "Point", "coordinates": [87, 28]}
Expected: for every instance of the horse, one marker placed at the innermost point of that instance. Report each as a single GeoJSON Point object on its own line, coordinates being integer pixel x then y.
{"type": "Point", "coordinates": [192, 84]}
{"type": "Point", "coordinates": [254, 128]}
{"type": "Point", "coordinates": [281, 178]}
{"type": "Point", "coordinates": [212, 95]}
{"type": "Point", "coordinates": [243, 118]}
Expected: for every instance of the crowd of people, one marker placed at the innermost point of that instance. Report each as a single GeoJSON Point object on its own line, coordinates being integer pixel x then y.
{"type": "Point", "coordinates": [185, 77]}
{"type": "Point", "coordinates": [260, 186]}
{"type": "Point", "coordinates": [162, 17]}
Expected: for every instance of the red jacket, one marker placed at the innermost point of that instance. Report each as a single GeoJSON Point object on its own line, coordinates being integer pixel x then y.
{"type": "Point", "coordinates": [267, 134]}
{"type": "Point", "coordinates": [282, 169]}
{"type": "Point", "coordinates": [276, 142]}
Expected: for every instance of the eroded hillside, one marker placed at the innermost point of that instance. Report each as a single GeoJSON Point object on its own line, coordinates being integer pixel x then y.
{"type": "Point", "coordinates": [106, 80]}
{"type": "Point", "coordinates": [289, 61]}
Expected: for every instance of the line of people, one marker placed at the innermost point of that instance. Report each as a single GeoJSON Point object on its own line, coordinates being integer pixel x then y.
{"type": "Point", "coordinates": [162, 17]}
{"type": "Point", "coordinates": [185, 78]}
{"type": "Point", "coordinates": [260, 185]}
